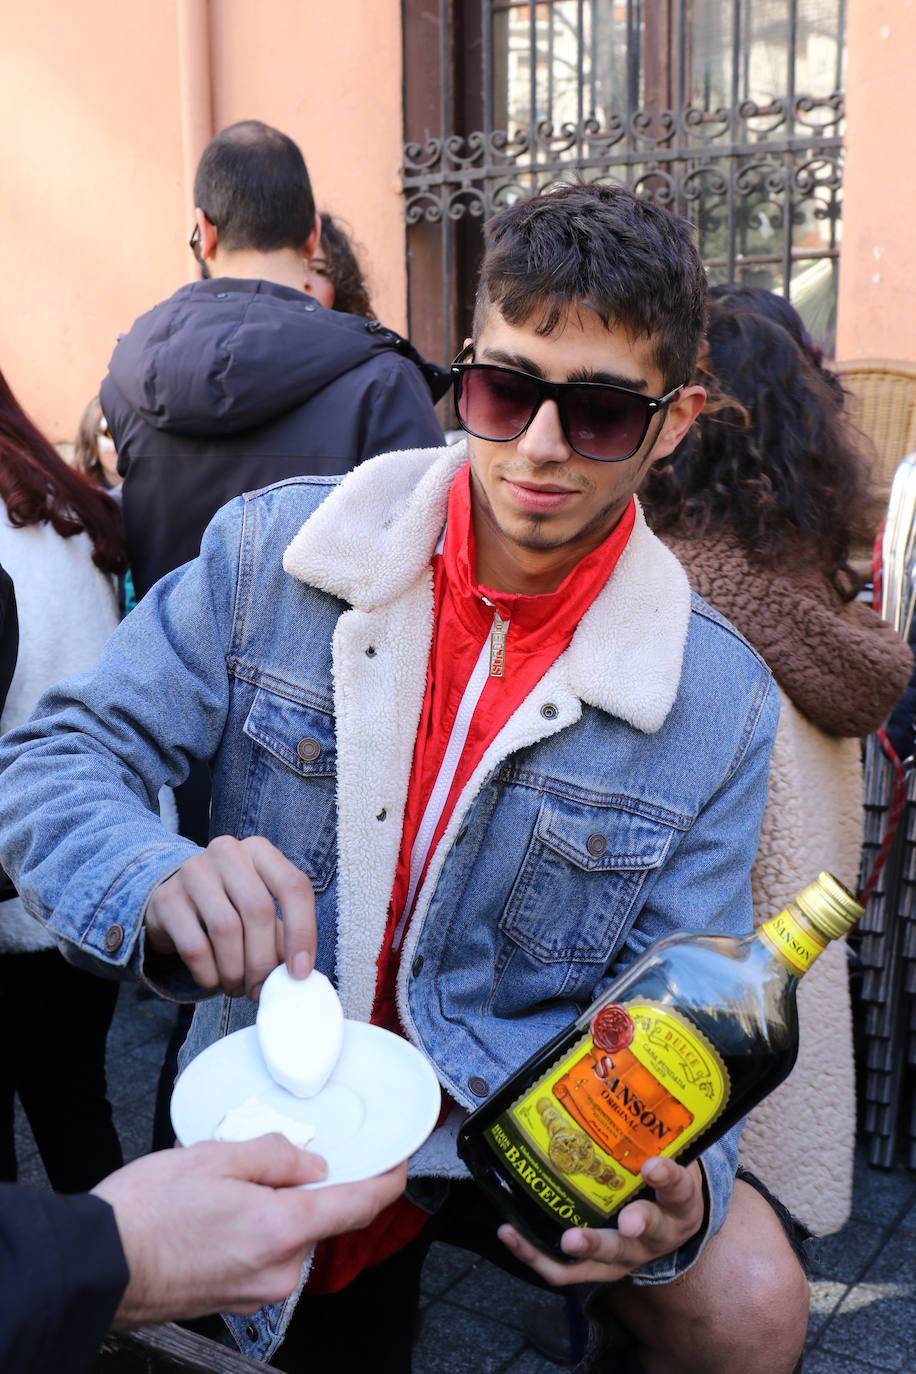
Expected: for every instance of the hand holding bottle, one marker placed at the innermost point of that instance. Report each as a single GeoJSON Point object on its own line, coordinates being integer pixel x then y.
{"type": "Point", "coordinates": [672, 1055]}
{"type": "Point", "coordinates": [645, 1230]}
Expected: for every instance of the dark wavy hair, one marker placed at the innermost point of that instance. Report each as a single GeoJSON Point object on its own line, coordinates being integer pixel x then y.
{"type": "Point", "coordinates": [350, 294]}
{"type": "Point", "coordinates": [771, 457]}
{"type": "Point", "coordinates": [86, 444]}
{"type": "Point", "coordinates": [631, 262]}
{"type": "Point", "coordinates": [37, 487]}
{"type": "Point", "coordinates": [759, 301]}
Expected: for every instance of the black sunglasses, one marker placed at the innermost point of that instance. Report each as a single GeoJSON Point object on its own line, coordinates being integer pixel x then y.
{"type": "Point", "coordinates": [601, 421]}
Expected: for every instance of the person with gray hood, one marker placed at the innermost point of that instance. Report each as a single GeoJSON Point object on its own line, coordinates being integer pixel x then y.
{"type": "Point", "coordinates": [241, 379]}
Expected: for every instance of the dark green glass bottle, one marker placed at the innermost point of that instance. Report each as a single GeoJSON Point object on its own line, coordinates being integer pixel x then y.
{"type": "Point", "coordinates": [678, 1049]}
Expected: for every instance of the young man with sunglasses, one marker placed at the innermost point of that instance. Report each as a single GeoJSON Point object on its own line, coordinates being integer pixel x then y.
{"type": "Point", "coordinates": [478, 707]}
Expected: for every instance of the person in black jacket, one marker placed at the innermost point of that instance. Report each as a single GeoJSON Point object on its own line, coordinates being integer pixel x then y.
{"type": "Point", "coordinates": [242, 379]}
{"type": "Point", "coordinates": [176, 1235]}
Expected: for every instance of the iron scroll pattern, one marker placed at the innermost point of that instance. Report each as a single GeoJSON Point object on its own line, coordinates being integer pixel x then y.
{"type": "Point", "coordinates": [750, 176]}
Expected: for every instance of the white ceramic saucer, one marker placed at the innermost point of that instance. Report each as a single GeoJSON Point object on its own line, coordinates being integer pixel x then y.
{"type": "Point", "coordinates": [378, 1106]}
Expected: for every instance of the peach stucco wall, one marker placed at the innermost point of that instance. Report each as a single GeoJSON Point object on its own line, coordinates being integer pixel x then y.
{"type": "Point", "coordinates": [104, 106]}
{"type": "Point", "coordinates": [877, 306]}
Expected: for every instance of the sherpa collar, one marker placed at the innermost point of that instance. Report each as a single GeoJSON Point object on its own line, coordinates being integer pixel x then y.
{"type": "Point", "coordinates": [374, 535]}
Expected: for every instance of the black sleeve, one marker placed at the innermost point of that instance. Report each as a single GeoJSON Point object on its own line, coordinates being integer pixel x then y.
{"type": "Point", "coordinates": [62, 1274]}
{"type": "Point", "coordinates": [9, 634]}
{"type": "Point", "coordinates": [394, 408]}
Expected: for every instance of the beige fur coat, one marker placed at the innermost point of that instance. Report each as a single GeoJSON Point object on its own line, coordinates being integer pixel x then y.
{"type": "Point", "coordinates": [840, 670]}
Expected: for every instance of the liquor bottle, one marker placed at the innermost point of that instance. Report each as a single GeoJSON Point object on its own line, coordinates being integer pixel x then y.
{"type": "Point", "coordinates": [680, 1047]}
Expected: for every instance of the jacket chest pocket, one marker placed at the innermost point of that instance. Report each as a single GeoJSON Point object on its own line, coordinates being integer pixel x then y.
{"type": "Point", "coordinates": [292, 783]}
{"type": "Point", "coordinates": [581, 877]}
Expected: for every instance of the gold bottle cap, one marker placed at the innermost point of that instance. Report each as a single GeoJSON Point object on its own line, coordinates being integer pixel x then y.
{"type": "Point", "coordinates": [829, 906]}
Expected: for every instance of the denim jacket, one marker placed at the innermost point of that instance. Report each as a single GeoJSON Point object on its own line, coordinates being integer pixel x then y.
{"type": "Point", "coordinates": [621, 802]}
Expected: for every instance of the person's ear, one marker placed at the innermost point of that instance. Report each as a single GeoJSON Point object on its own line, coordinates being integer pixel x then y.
{"type": "Point", "coordinates": [209, 234]}
{"type": "Point", "coordinates": [313, 240]}
{"type": "Point", "coordinates": [679, 416]}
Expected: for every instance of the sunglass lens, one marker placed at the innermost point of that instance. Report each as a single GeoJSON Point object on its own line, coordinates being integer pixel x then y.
{"type": "Point", "coordinates": [604, 423]}
{"type": "Point", "coordinates": [496, 403]}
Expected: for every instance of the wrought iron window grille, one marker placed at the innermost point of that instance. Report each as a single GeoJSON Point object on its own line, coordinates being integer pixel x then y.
{"type": "Point", "coordinates": [760, 178]}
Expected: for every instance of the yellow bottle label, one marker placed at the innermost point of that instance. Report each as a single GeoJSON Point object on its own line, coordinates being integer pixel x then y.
{"type": "Point", "coordinates": [797, 947]}
{"type": "Point", "coordinates": [644, 1081]}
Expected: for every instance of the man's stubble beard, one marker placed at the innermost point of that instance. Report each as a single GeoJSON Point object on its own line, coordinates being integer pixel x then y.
{"type": "Point", "coordinates": [537, 534]}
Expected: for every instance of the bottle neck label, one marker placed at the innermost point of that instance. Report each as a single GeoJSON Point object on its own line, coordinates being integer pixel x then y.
{"type": "Point", "coordinates": [645, 1081]}
{"type": "Point", "coordinates": [795, 945]}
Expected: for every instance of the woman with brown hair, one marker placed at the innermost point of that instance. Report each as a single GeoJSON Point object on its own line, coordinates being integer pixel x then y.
{"type": "Point", "coordinates": [762, 503]}
{"type": "Point", "coordinates": [94, 451]}
{"type": "Point", "coordinates": [62, 543]}
{"type": "Point", "coordinates": [333, 275]}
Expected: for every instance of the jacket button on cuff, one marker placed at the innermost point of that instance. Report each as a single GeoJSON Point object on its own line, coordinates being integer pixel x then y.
{"type": "Point", "coordinates": [596, 845]}
{"type": "Point", "coordinates": [114, 938]}
{"type": "Point", "coordinates": [416, 966]}
{"type": "Point", "coordinates": [308, 749]}
{"type": "Point", "coordinates": [549, 711]}
{"type": "Point", "coordinates": [479, 1087]}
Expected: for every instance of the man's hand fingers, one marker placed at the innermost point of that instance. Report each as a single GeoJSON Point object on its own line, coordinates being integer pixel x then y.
{"type": "Point", "coordinates": [255, 911]}
{"type": "Point", "coordinates": [594, 1252]}
{"type": "Point", "coordinates": [675, 1187]}
{"type": "Point", "coordinates": [298, 936]}
{"type": "Point", "coordinates": [269, 1159]}
{"type": "Point", "coordinates": [209, 892]}
{"type": "Point", "coordinates": [644, 1230]}
{"type": "Point", "coordinates": [274, 1161]}
{"type": "Point", "coordinates": [219, 914]}
{"type": "Point", "coordinates": [350, 1206]}
{"type": "Point", "coordinates": [677, 1211]}
{"type": "Point", "coordinates": [173, 926]}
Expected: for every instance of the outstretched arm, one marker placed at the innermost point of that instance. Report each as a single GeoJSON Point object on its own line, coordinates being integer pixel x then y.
{"type": "Point", "coordinates": [79, 826]}
{"type": "Point", "coordinates": [220, 1227]}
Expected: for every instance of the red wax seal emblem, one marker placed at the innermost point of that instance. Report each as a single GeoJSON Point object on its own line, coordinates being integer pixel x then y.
{"type": "Point", "coordinates": [612, 1028]}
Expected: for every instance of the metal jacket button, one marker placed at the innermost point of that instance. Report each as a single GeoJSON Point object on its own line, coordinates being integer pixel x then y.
{"type": "Point", "coordinates": [549, 711]}
{"type": "Point", "coordinates": [596, 845]}
{"type": "Point", "coordinates": [416, 966]}
{"type": "Point", "coordinates": [479, 1087]}
{"type": "Point", "coordinates": [114, 938]}
{"type": "Point", "coordinates": [308, 749]}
